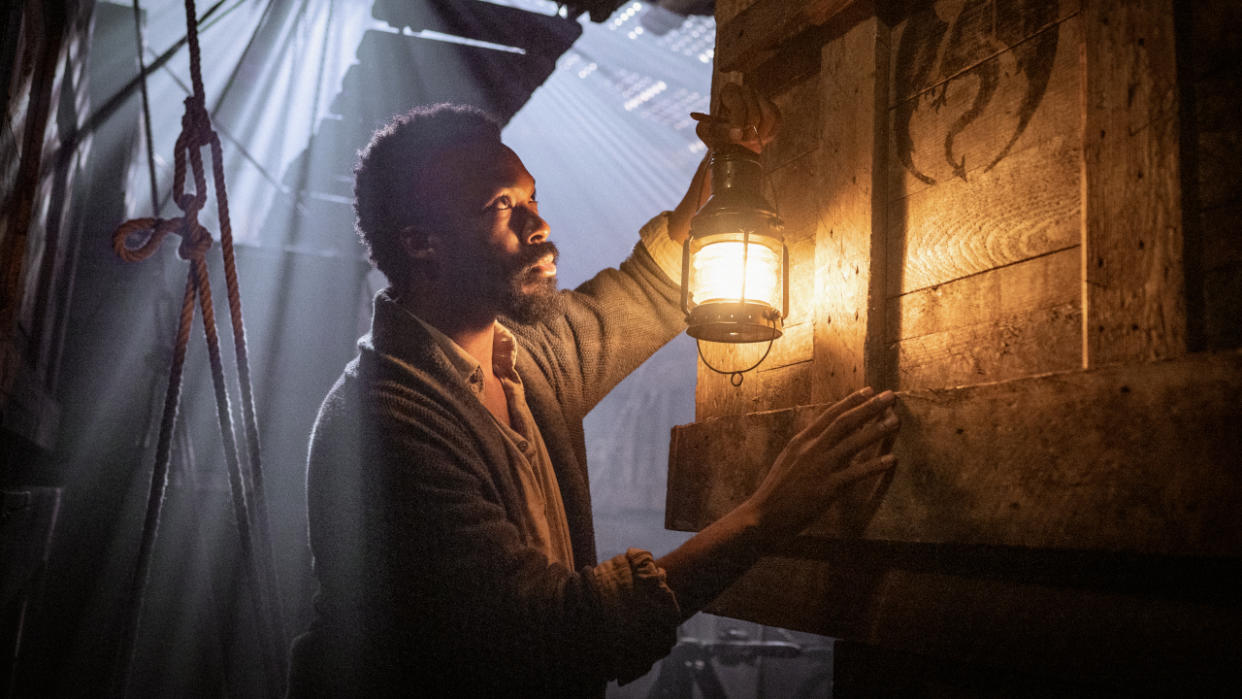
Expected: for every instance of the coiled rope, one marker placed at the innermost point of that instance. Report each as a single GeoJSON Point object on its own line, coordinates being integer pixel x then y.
{"type": "Point", "coordinates": [245, 484]}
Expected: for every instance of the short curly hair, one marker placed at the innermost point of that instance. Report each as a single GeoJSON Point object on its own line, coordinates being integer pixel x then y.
{"type": "Point", "coordinates": [386, 197]}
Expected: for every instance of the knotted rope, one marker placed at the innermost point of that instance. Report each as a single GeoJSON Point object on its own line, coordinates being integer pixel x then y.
{"type": "Point", "coordinates": [245, 485]}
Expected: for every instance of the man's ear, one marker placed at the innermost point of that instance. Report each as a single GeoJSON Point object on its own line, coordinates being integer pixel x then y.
{"type": "Point", "coordinates": [417, 244]}
{"type": "Point", "coordinates": [420, 247]}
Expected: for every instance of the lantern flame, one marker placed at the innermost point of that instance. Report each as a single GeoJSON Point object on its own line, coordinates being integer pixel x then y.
{"type": "Point", "coordinates": [736, 271]}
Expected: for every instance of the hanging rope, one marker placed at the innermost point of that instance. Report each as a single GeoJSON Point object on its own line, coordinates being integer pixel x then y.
{"type": "Point", "coordinates": [245, 485]}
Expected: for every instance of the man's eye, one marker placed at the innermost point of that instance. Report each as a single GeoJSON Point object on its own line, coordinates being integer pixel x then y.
{"type": "Point", "coordinates": [502, 203]}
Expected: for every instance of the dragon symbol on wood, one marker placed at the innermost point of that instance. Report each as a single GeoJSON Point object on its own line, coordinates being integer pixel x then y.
{"type": "Point", "coordinates": [951, 40]}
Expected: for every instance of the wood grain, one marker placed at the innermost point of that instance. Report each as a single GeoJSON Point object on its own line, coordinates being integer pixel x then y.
{"type": "Point", "coordinates": [747, 37]}
{"type": "Point", "coordinates": [792, 189]}
{"type": "Point", "coordinates": [1014, 321]}
{"type": "Point", "coordinates": [1140, 458]}
{"type": "Point", "coordinates": [763, 389]}
{"type": "Point", "coordinates": [981, 616]}
{"type": "Point", "coordinates": [1037, 341]}
{"type": "Point", "coordinates": [1132, 214]}
{"type": "Point", "coordinates": [800, 123]}
{"type": "Point", "coordinates": [1005, 24]}
{"type": "Point", "coordinates": [848, 296]}
{"type": "Point", "coordinates": [982, 132]}
{"type": "Point", "coordinates": [1026, 206]}
{"type": "Point", "coordinates": [790, 348]}
{"type": "Point", "coordinates": [1212, 197]}
{"type": "Point", "coordinates": [1042, 282]}
{"type": "Point", "coordinates": [726, 10]}
{"type": "Point", "coordinates": [802, 295]}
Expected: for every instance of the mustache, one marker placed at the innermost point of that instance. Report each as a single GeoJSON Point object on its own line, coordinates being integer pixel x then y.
{"type": "Point", "coordinates": [534, 253]}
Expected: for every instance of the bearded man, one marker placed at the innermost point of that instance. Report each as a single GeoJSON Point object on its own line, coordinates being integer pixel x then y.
{"type": "Point", "coordinates": [449, 506]}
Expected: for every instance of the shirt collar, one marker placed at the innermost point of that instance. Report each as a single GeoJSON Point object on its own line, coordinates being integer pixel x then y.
{"type": "Point", "coordinates": [504, 353]}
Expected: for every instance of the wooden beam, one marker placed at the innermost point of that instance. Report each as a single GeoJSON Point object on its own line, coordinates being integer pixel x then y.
{"type": "Point", "coordinates": [969, 195]}
{"type": "Point", "coordinates": [743, 41]}
{"type": "Point", "coordinates": [1141, 458]}
{"type": "Point", "coordinates": [1018, 320]}
{"type": "Point", "coordinates": [1134, 300]}
{"type": "Point", "coordinates": [849, 259]}
{"type": "Point", "coordinates": [44, 30]}
{"type": "Point", "coordinates": [1176, 634]}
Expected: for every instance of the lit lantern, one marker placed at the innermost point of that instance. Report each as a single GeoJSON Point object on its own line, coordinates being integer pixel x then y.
{"type": "Point", "coordinates": [735, 286]}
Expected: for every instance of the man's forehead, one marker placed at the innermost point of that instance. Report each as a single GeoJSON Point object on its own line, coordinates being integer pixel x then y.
{"type": "Point", "coordinates": [460, 180]}
{"type": "Point", "coordinates": [484, 163]}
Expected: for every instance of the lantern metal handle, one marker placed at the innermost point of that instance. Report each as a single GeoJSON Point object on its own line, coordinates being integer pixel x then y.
{"type": "Point", "coordinates": [736, 375]}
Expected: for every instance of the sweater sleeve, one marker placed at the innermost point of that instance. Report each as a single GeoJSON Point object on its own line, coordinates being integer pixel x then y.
{"type": "Point", "coordinates": [451, 566]}
{"type": "Point", "coordinates": [612, 322]}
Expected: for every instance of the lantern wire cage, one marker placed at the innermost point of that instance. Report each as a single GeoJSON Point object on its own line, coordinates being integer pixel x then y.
{"type": "Point", "coordinates": [736, 376]}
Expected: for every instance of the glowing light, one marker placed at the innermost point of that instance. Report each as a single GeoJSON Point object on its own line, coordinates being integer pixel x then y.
{"type": "Point", "coordinates": [735, 271]}
{"type": "Point", "coordinates": [647, 93]}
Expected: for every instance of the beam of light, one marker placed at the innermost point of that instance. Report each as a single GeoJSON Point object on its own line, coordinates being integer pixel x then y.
{"type": "Point", "coordinates": [273, 72]}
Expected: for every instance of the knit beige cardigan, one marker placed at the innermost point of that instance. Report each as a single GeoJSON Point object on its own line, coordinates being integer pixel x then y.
{"type": "Point", "coordinates": [425, 579]}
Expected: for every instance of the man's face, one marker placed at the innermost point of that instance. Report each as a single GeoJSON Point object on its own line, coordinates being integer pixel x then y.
{"type": "Point", "coordinates": [494, 248]}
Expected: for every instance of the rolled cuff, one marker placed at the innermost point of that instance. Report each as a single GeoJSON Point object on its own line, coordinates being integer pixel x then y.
{"type": "Point", "coordinates": [665, 252]}
{"type": "Point", "coordinates": [640, 612]}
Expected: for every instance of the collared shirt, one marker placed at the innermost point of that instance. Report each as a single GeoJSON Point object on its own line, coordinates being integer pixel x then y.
{"type": "Point", "coordinates": [544, 515]}
{"type": "Point", "coordinates": [544, 512]}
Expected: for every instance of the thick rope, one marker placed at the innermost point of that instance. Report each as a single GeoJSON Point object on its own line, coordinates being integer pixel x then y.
{"type": "Point", "coordinates": [249, 511]}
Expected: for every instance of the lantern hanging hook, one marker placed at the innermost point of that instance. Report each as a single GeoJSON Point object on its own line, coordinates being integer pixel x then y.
{"type": "Point", "coordinates": [736, 375]}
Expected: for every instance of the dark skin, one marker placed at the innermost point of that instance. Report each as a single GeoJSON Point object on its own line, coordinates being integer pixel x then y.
{"type": "Point", "coordinates": [491, 215]}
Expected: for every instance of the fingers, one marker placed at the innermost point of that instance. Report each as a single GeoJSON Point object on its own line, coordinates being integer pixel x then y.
{"type": "Point", "coordinates": [742, 116]}
{"type": "Point", "coordinates": [835, 410]}
{"type": "Point", "coordinates": [851, 413]}
{"type": "Point", "coordinates": [735, 104]}
{"type": "Point", "coordinates": [873, 433]}
{"type": "Point", "coordinates": [769, 120]}
{"type": "Point", "coordinates": [855, 417]}
{"type": "Point", "coordinates": [861, 470]}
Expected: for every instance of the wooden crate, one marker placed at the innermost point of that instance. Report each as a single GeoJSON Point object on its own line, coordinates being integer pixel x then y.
{"type": "Point", "coordinates": [1020, 215]}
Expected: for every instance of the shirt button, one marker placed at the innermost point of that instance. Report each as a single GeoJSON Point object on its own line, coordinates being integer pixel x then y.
{"type": "Point", "coordinates": [523, 445]}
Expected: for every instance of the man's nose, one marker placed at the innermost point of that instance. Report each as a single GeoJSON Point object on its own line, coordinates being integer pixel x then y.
{"type": "Point", "coordinates": [534, 228]}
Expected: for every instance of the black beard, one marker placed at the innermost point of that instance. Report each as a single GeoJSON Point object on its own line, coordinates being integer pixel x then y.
{"type": "Point", "coordinates": [523, 305]}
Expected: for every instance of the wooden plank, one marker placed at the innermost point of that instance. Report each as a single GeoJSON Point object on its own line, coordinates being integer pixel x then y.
{"type": "Point", "coordinates": [746, 39]}
{"type": "Point", "coordinates": [1139, 458]}
{"type": "Point", "coordinates": [1222, 277]}
{"type": "Point", "coordinates": [944, 39]}
{"type": "Point", "coordinates": [1019, 99]}
{"type": "Point", "coordinates": [1026, 206]}
{"type": "Point", "coordinates": [852, 76]}
{"type": "Point", "coordinates": [1208, 54]}
{"type": "Point", "coordinates": [1042, 282]}
{"type": "Point", "coordinates": [1107, 638]}
{"type": "Point", "coordinates": [41, 60]}
{"type": "Point", "coordinates": [728, 9]}
{"type": "Point", "coordinates": [1132, 215]}
{"type": "Point", "coordinates": [790, 348]}
{"type": "Point", "coordinates": [1219, 153]}
{"type": "Point", "coordinates": [765, 388]}
{"type": "Point", "coordinates": [1033, 342]}
{"type": "Point", "coordinates": [802, 299]}
{"type": "Point", "coordinates": [1010, 322]}
{"type": "Point", "coordinates": [800, 123]}
{"type": "Point", "coordinates": [791, 188]}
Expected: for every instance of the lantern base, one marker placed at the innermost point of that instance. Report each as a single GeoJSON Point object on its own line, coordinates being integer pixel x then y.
{"type": "Point", "coordinates": [734, 321]}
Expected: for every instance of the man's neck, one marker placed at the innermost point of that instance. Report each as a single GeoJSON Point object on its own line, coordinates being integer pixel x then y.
{"type": "Point", "coordinates": [473, 331]}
